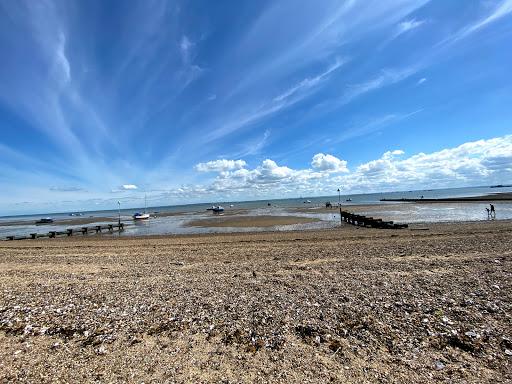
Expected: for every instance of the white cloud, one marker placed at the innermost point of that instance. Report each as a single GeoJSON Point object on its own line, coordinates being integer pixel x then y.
{"type": "Point", "coordinates": [328, 163]}
{"type": "Point", "coordinates": [129, 187]}
{"type": "Point", "coordinates": [479, 162]}
{"type": "Point", "coordinates": [482, 162]}
{"type": "Point", "coordinates": [476, 162]}
{"type": "Point", "coordinates": [421, 81]}
{"type": "Point", "coordinates": [221, 165]}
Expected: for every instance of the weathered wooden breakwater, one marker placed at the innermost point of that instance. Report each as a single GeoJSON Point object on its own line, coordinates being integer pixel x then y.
{"type": "Point", "coordinates": [363, 221]}
{"type": "Point", "coordinates": [71, 231]}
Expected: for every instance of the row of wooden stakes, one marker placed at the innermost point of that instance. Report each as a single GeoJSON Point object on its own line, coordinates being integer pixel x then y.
{"type": "Point", "coordinates": [363, 221]}
{"type": "Point", "coordinates": [71, 232]}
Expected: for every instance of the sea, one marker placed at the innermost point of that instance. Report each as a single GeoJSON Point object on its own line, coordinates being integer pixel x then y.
{"type": "Point", "coordinates": [173, 219]}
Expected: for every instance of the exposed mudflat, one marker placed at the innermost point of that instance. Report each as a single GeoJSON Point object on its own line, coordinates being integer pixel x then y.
{"type": "Point", "coordinates": [250, 221]}
{"type": "Point", "coordinates": [342, 305]}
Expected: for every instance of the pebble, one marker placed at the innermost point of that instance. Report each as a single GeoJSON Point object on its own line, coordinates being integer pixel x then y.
{"type": "Point", "coordinates": [101, 350]}
{"type": "Point", "coordinates": [447, 320]}
{"type": "Point", "coordinates": [472, 334]}
{"type": "Point", "coordinates": [438, 365]}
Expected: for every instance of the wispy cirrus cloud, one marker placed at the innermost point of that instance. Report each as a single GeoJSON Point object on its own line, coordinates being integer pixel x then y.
{"type": "Point", "coordinates": [283, 100]}
{"type": "Point", "coordinates": [252, 147]}
{"type": "Point", "coordinates": [66, 189]}
{"type": "Point", "coordinates": [408, 25]}
{"type": "Point", "coordinates": [504, 8]}
{"type": "Point", "coordinates": [310, 82]}
{"type": "Point", "coordinates": [185, 47]}
{"type": "Point", "coordinates": [385, 78]}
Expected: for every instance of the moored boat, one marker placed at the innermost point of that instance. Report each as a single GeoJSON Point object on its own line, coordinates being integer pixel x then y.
{"type": "Point", "coordinates": [46, 220]}
{"type": "Point", "coordinates": [215, 209]}
{"type": "Point", "coordinates": [142, 216]}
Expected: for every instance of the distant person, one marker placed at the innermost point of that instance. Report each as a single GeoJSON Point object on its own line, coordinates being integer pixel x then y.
{"type": "Point", "coordinates": [488, 212]}
{"type": "Point", "coordinates": [493, 211]}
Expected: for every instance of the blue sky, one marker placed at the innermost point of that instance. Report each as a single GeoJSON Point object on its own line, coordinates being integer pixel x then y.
{"type": "Point", "coordinates": [193, 101]}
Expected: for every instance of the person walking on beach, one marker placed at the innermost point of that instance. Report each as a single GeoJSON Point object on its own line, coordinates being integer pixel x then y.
{"type": "Point", "coordinates": [488, 213]}
{"type": "Point", "coordinates": [493, 211]}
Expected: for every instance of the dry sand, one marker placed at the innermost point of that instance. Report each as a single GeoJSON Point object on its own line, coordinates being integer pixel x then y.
{"type": "Point", "coordinates": [342, 305]}
{"type": "Point", "coordinates": [250, 221]}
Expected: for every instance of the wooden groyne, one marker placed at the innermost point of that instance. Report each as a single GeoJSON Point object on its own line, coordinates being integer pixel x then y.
{"type": "Point", "coordinates": [71, 231]}
{"type": "Point", "coordinates": [363, 221]}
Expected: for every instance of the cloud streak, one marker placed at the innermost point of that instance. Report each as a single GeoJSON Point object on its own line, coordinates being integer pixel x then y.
{"type": "Point", "coordinates": [504, 8]}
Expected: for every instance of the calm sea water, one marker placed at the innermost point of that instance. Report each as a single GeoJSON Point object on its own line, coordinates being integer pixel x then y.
{"type": "Point", "coordinates": [399, 212]}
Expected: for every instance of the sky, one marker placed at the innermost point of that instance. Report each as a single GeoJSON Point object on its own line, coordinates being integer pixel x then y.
{"type": "Point", "coordinates": [203, 101]}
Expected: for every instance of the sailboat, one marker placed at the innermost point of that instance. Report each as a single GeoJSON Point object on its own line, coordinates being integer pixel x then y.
{"type": "Point", "coordinates": [142, 216]}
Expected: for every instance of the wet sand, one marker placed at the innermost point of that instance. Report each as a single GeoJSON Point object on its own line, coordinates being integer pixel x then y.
{"type": "Point", "coordinates": [250, 221]}
{"type": "Point", "coordinates": [346, 305]}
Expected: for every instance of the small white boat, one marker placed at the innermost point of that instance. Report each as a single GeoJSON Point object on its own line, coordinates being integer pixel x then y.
{"type": "Point", "coordinates": [216, 209]}
{"type": "Point", "coordinates": [142, 216]}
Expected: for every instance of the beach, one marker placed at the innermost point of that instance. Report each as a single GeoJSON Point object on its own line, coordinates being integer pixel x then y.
{"type": "Point", "coordinates": [448, 205]}
{"type": "Point", "coordinates": [427, 304]}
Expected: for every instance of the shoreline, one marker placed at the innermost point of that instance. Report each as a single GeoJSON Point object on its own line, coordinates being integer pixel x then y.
{"type": "Point", "coordinates": [345, 228]}
{"type": "Point", "coordinates": [503, 196]}
{"type": "Point", "coordinates": [73, 221]}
